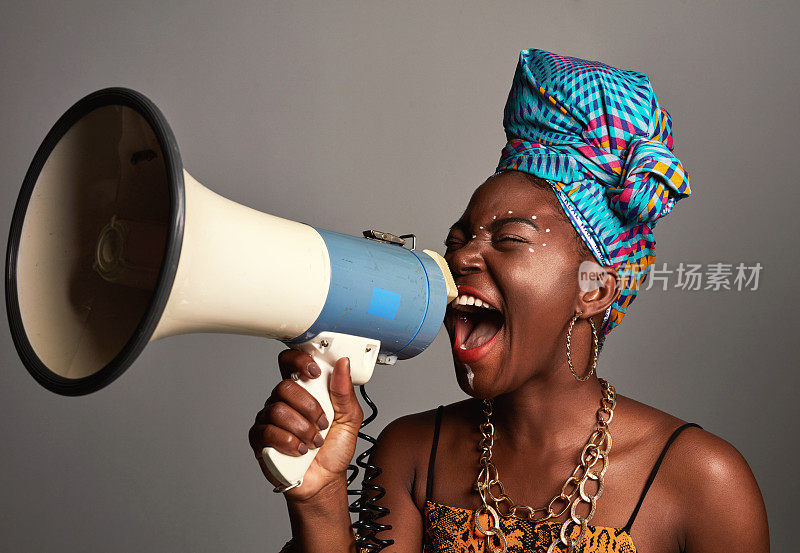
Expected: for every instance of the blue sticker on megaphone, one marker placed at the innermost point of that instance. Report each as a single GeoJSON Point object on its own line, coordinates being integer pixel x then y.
{"type": "Point", "coordinates": [384, 303]}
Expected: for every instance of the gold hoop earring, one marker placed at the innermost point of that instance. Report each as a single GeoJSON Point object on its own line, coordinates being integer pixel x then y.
{"type": "Point", "coordinates": [594, 343]}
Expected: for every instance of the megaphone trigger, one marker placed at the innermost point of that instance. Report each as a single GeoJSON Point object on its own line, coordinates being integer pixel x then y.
{"type": "Point", "coordinates": [326, 348]}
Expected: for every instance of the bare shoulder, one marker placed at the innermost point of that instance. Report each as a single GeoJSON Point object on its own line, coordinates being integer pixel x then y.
{"type": "Point", "coordinates": [408, 435]}
{"type": "Point", "coordinates": [728, 512]}
{"type": "Point", "coordinates": [641, 422]}
{"type": "Point", "coordinates": [415, 431]}
{"type": "Point", "coordinates": [701, 454]}
{"type": "Point", "coordinates": [403, 448]}
{"type": "Point", "coordinates": [696, 456]}
{"type": "Point", "coordinates": [708, 460]}
{"type": "Point", "coordinates": [708, 481]}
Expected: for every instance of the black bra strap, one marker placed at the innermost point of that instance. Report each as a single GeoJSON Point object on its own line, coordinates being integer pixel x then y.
{"type": "Point", "coordinates": [432, 460]}
{"type": "Point", "coordinates": [655, 471]}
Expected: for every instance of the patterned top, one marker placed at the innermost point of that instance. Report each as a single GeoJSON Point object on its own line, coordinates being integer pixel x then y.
{"type": "Point", "coordinates": [452, 530]}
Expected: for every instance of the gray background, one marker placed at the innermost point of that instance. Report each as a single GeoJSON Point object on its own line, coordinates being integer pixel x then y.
{"type": "Point", "coordinates": [387, 115]}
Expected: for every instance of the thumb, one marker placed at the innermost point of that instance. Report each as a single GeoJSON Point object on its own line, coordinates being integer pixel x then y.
{"type": "Point", "coordinates": [346, 409]}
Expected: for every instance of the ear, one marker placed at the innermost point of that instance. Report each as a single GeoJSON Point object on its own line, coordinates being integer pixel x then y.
{"type": "Point", "coordinates": [600, 286]}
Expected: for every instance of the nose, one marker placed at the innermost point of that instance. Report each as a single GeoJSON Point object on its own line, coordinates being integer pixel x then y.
{"type": "Point", "coordinates": [467, 259]}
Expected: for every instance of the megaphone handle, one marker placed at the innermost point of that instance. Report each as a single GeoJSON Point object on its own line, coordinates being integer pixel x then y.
{"type": "Point", "coordinates": [325, 348]}
{"type": "Point", "coordinates": [291, 469]}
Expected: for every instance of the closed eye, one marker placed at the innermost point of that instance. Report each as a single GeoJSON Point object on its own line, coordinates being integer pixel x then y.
{"type": "Point", "coordinates": [511, 239]}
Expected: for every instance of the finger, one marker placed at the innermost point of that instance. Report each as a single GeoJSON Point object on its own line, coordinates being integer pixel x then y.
{"type": "Point", "coordinates": [283, 416]}
{"type": "Point", "coordinates": [272, 436]}
{"type": "Point", "coordinates": [299, 399]}
{"type": "Point", "coordinates": [278, 393]}
{"type": "Point", "coordinates": [261, 415]}
{"type": "Point", "coordinates": [292, 361]}
{"type": "Point", "coordinates": [343, 396]}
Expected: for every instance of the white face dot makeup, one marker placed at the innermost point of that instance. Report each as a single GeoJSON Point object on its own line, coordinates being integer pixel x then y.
{"type": "Point", "coordinates": [511, 212]}
{"type": "Point", "coordinates": [494, 217]}
{"type": "Point", "coordinates": [530, 250]}
{"type": "Point", "coordinates": [482, 228]}
{"type": "Point", "coordinates": [533, 216]}
{"type": "Point", "coordinates": [544, 244]}
{"type": "Point", "coordinates": [547, 230]}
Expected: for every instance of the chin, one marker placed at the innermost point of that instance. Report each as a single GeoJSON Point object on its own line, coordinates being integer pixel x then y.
{"type": "Point", "coordinates": [475, 383]}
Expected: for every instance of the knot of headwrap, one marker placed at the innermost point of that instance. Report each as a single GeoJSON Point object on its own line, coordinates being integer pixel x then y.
{"type": "Point", "coordinates": [647, 189]}
{"type": "Point", "coordinates": [598, 135]}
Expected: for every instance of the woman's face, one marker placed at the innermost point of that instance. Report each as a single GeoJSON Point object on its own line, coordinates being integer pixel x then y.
{"type": "Point", "coordinates": [514, 249]}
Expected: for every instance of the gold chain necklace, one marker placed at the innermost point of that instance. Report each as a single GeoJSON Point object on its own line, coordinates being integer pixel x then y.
{"type": "Point", "coordinates": [496, 503]}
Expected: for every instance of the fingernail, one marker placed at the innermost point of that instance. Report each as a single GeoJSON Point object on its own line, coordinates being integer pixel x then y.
{"type": "Point", "coordinates": [314, 369]}
{"type": "Point", "coordinates": [322, 422]}
{"type": "Point", "coordinates": [303, 449]}
{"type": "Point", "coordinates": [319, 440]}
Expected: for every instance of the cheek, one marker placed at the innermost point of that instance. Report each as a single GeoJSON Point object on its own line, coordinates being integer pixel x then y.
{"type": "Point", "coordinates": [540, 285]}
{"type": "Point", "coordinates": [551, 257]}
{"type": "Point", "coordinates": [542, 266]}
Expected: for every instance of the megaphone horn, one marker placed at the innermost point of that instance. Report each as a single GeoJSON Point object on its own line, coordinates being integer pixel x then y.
{"type": "Point", "coordinates": [113, 245]}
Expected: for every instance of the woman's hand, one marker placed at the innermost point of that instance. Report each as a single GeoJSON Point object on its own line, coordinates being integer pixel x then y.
{"type": "Point", "coordinates": [291, 420]}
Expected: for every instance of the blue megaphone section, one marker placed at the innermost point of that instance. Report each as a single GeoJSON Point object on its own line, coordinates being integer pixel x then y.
{"type": "Point", "coordinates": [381, 291]}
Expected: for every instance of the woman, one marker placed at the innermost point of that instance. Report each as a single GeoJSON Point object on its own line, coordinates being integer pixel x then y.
{"type": "Point", "coordinates": [585, 175]}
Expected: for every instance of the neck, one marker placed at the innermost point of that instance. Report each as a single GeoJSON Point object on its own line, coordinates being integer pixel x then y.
{"type": "Point", "coordinates": [553, 412]}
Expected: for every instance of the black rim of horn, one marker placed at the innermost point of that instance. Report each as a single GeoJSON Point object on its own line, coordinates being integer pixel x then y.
{"type": "Point", "coordinates": [169, 265]}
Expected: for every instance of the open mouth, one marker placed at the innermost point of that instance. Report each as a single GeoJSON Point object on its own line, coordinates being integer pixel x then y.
{"type": "Point", "coordinates": [477, 323]}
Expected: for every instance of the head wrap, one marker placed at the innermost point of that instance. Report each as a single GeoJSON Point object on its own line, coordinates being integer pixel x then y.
{"type": "Point", "coordinates": [599, 137]}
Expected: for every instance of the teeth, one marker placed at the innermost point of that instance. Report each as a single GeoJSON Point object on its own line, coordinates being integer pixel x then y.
{"type": "Point", "coordinates": [465, 299]}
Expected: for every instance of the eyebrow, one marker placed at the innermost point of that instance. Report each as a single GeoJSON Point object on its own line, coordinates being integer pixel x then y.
{"type": "Point", "coordinates": [496, 224]}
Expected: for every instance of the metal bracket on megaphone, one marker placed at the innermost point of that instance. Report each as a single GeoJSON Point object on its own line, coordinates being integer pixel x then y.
{"type": "Point", "coordinates": [389, 238]}
{"type": "Point", "coordinates": [326, 348]}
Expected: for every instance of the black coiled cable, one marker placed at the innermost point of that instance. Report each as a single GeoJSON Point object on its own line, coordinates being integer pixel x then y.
{"type": "Point", "coordinates": [367, 525]}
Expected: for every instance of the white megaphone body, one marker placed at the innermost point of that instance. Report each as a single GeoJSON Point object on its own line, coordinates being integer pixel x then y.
{"type": "Point", "coordinates": [113, 245]}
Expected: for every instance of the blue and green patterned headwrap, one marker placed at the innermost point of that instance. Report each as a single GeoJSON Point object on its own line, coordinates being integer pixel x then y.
{"type": "Point", "coordinates": [599, 137]}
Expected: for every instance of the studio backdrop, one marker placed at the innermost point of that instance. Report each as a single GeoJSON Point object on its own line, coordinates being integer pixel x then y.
{"type": "Point", "coordinates": [350, 116]}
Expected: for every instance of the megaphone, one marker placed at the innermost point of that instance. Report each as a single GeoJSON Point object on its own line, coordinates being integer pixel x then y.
{"type": "Point", "coordinates": [114, 245]}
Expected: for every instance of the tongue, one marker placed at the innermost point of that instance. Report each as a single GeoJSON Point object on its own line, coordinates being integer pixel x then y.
{"type": "Point", "coordinates": [483, 331]}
